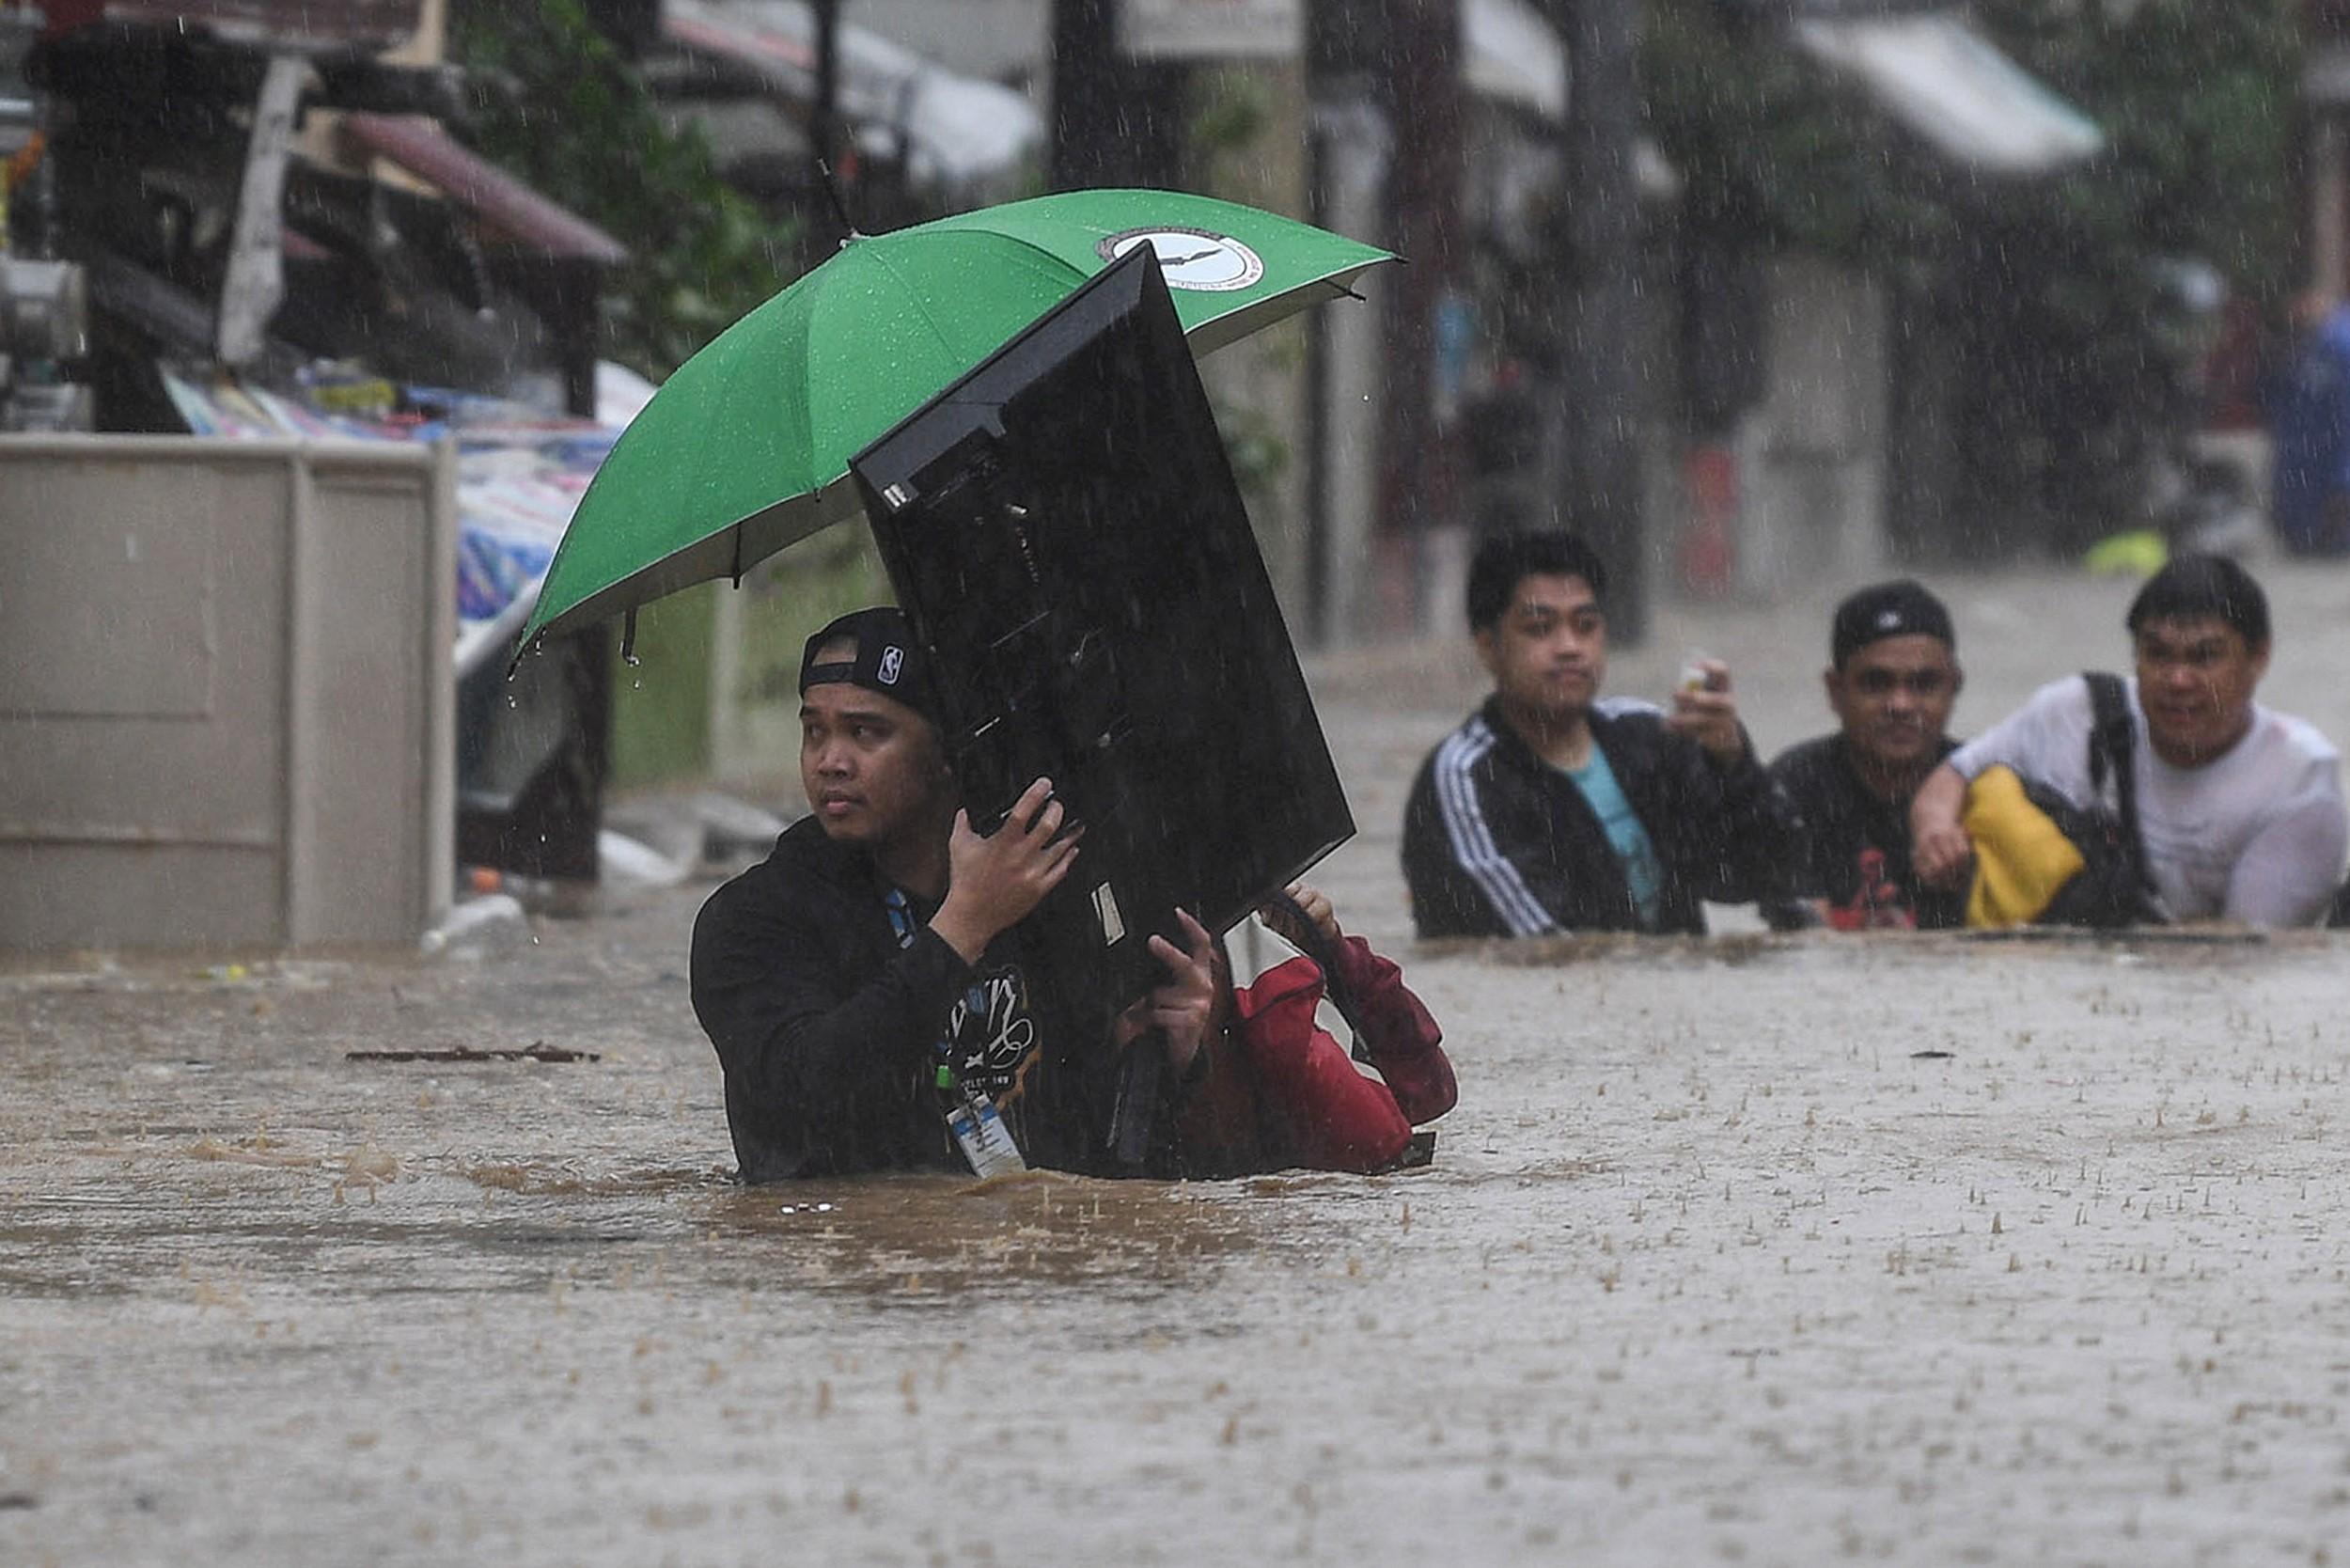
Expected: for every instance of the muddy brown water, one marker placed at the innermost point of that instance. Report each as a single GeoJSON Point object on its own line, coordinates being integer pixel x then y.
{"type": "Point", "coordinates": [1761, 1252]}
{"type": "Point", "coordinates": [1713, 1266]}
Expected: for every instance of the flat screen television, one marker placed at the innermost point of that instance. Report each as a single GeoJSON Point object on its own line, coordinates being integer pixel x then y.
{"type": "Point", "coordinates": [1064, 533]}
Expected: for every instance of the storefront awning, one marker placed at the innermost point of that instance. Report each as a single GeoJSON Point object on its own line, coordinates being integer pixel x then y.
{"type": "Point", "coordinates": [507, 206]}
{"type": "Point", "coordinates": [1511, 53]}
{"type": "Point", "coordinates": [1951, 88]}
{"type": "Point", "coordinates": [275, 25]}
{"type": "Point", "coordinates": [955, 130]}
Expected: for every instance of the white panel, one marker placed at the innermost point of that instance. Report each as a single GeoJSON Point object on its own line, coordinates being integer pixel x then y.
{"type": "Point", "coordinates": [106, 610]}
{"type": "Point", "coordinates": [1221, 29]}
{"type": "Point", "coordinates": [239, 731]}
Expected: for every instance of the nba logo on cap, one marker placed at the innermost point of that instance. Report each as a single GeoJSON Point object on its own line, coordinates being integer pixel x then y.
{"type": "Point", "coordinates": [893, 658]}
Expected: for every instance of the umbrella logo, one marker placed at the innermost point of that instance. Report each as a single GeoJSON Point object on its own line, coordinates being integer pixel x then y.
{"type": "Point", "coordinates": [1200, 259]}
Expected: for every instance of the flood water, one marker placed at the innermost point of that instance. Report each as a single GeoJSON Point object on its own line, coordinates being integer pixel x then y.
{"type": "Point", "coordinates": [1763, 1250]}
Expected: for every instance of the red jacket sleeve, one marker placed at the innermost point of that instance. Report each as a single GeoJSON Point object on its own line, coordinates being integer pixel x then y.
{"type": "Point", "coordinates": [1336, 1119]}
{"type": "Point", "coordinates": [1404, 1041]}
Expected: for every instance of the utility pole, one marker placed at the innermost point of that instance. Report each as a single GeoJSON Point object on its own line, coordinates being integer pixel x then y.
{"type": "Point", "coordinates": [1085, 92]}
{"type": "Point", "coordinates": [1385, 80]}
{"type": "Point", "coordinates": [1351, 143]}
{"type": "Point", "coordinates": [1599, 384]}
{"type": "Point", "coordinates": [824, 123]}
{"type": "Point", "coordinates": [1419, 480]}
{"type": "Point", "coordinates": [1115, 121]}
{"type": "Point", "coordinates": [1598, 418]}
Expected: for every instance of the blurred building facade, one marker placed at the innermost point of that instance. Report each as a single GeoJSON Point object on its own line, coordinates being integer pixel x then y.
{"type": "Point", "coordinates": [281, 190]}
{"type": "Point", "coordinates": [2325, 145]}
{"type": "Point", "coordinates": [271, 235]}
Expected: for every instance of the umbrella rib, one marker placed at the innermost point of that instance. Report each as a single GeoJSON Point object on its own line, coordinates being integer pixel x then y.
{"type": "Point", "coordinates": [889, 264]}
{"type": "Point", "coordinates": [947, 226]}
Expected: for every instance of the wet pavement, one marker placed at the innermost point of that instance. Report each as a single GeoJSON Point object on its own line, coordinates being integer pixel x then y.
{"type": "Point", "coordinates": [1762, 1249]}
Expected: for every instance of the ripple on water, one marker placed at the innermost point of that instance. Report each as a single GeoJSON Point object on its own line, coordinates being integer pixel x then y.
{"type": "Point", "coordinates": [916, 1236]}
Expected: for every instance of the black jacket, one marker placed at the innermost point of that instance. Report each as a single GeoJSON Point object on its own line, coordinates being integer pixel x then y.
{"type": "Point", "coordinates": [827, 1029]}
{"type": "Point", "coordinates": [1498, 844]}
{"type": "Point", "coordinates": [1852, 848]}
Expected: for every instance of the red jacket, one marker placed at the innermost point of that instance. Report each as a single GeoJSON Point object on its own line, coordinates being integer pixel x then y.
{"type": "Point", "coordinates": [1287, 1095]}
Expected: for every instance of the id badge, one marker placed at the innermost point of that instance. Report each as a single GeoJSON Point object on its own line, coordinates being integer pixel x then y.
{"type": "Point", "coordinates": [985, 1141]}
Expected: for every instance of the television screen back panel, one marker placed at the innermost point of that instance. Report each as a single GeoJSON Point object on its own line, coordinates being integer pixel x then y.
{"type": "Point", "coordinates": [1063, 531]}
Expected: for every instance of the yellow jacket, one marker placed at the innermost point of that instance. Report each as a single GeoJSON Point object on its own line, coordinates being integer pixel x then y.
{"type": "Point", "coordinates": [2022, 860]}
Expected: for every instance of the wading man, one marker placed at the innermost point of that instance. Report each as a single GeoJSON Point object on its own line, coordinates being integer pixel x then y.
{"type": "Point", "coordinates": [2239, 809]}
{"type": "Point", "coordinates": [867, 987]}
{"type": "Point", "coordinates": [1554, 810]}
{"type": "Point", "coordinates": [1892, 680]}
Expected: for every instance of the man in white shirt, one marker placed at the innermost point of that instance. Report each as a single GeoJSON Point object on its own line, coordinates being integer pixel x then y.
{"type": "Point", "coordinates": [2240, 809]}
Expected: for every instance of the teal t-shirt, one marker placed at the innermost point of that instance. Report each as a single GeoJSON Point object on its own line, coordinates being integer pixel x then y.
{"type": "Point", "coordinates": [1642, 872]}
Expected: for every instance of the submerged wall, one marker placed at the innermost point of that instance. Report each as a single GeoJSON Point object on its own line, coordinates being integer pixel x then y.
{"type": "Point", "coordinates": [225, 692]}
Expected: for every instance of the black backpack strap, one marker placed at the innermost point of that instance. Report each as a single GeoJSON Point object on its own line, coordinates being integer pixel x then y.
{"type": "Point", "coordinates": [2112, 745]}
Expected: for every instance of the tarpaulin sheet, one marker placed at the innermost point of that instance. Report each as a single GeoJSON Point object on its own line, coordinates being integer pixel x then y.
{"type": "Point", "coordinates": [520, 474]}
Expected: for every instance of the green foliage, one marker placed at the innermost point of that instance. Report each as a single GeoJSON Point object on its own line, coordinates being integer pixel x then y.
{"type": "Point", "coordinates": [2050, 288]}
{"type": "Point", "coordinates": [583, 129]}
{"type": "Point", "coordinates": [2196, 100]}
{"type": "Point", "coordinates": [1228, 115]}
{"type": "Point", "coordinates": [1770, 152]}
{"type": "Point", "coordinates": [1252, 442]}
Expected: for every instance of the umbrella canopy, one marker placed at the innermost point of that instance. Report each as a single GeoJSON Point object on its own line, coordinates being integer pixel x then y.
{"type": "Point", "coordinates": [745, 449]}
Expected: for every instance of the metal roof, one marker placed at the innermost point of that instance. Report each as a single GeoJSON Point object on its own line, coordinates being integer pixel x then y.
{"type": "Point", "coordinates": [1951, 88]}
{"type": "Point", "coordinates": [955, 128]}
{"type": "Point", "coordinates": [510, 208]}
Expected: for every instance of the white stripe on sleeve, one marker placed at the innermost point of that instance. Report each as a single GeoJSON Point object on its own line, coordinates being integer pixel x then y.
{"type": "Point", "coordinates": [1472, 841]}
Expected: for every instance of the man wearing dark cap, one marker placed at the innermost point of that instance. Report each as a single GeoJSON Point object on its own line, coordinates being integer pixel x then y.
{"type": "Point", "coordinates": [1892, 679]}
{"type": "Point", "coordinates": [866, 986]}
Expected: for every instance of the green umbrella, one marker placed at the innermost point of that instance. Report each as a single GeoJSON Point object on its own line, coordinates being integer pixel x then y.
{"type": "Point", "coordinates": [745, 449]}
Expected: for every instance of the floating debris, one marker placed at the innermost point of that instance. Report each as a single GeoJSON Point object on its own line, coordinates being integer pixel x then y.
{"type": "Point", "coordinates": [538, 1050]}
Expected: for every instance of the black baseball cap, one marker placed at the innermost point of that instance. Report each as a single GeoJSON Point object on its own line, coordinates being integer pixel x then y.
{"type": "Point", "coordinates": [887, 660]}
{"type": "Point", "coordinates": [1897, 609]}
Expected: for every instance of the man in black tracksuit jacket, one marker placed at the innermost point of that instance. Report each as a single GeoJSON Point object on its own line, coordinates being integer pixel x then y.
{"type": "Point", "coordinates": [1552, 810]}
{"type": "Point", "coordinates": [867, 985]}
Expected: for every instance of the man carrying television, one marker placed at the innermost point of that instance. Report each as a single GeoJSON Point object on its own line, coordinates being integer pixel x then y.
{"type": "Point", "coordinates": [868, 987]}
{"type": "Point", "coordinates": [1554, 810]}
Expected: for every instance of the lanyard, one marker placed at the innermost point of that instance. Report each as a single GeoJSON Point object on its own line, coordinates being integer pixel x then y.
{"type": "Point", "coordinates": [974, 1000]}
{"type": "Point", "coordinates": [901, 916]}
{"type": "Point", "coordinates": [972, 1119]}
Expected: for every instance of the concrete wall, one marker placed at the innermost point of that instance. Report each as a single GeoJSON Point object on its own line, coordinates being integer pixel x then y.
{"type": "Point", "coordinates": [1811, 459]}
{"type": "Point", "coordinates": [225, 693]}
